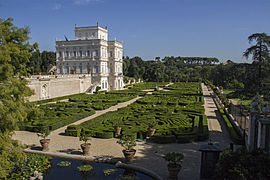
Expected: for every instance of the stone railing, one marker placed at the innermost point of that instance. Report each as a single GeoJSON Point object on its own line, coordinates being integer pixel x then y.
{"type": "Point", "coordinates": [59, 76]}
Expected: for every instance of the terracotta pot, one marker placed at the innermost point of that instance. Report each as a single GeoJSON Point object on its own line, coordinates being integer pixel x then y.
{"type": "Point", "coordinates": [55, 73]}
{"type": "Point", "coordinates": [174, 169]}
{"type": "Point", "coordinates": [117, 131]}
{"type": "Point", "coordinates": [73, 72]}
{"type": "Point", "coordinates": [45, 144]}
{"type": "Point", "coordinates": [39, 73]}
{"type": "Point", "coordinates": [85, 148]}
{"type": "Point", "coordinates": [129, 154]}
{"type": "Point", "coordinates": [151, 132]}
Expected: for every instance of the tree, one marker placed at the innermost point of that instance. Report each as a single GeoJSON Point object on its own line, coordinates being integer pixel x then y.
{"type": "Point", "coordinates": [35, 62]}
{"type": "Point", "coordinates": [10, 154]}
{"type": "Point", "coordinates": [15, 52]}
{"type": "Point", "coordinates": [48, 60]}
{"type": "Point", "coordinates": [259, 52]}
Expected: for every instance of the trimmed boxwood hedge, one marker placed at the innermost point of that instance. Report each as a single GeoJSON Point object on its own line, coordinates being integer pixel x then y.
{"type": "Point", "coordinates": [58, 115]}
{"type": "Point", "coordinates": [104, 134]}
{"type": "Point", "coordinates": [79, 106]}
{"type": "Point", "coordinates": [235, 136]}
{"type": "Point", "coordinates": [73, 130]}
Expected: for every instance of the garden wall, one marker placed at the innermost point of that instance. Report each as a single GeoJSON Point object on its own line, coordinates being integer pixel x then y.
{"type": "Point", "coordinates": [55, 86]}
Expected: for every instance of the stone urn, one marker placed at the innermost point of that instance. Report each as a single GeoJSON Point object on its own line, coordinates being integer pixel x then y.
{"type": "Point", "coordinates": [85, 148]}
{"type": "Point", "coordinates": [174, 170]}
{"type": "Point", "coordinates": [151, 132]}
{"type": "Point", "coordinates": [45, 144]}
{"type": "Point", "coordinates": [117, 131]}
{"type": "Point", "coordinates": [129, 155]}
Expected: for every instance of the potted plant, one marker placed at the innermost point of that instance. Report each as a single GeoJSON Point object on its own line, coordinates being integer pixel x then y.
{"type": "Point", "coordinates": [85, 146]}
{"type": "Point", "coordinates": [175, 163]}
{"type": "Point", "coordinates": [128, 142]}
{"type": "Point", "coordinates": [73, 71]}
{"type": "Point", "coordinates": [44, 132]}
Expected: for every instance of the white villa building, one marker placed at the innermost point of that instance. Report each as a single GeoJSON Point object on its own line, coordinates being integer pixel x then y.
{"type": "Point", "coordinates": [92, 54]}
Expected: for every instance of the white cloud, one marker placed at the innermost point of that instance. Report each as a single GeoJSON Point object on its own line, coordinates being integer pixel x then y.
{"type": "Point", "coordinates": [83, 2]}
{"type": "Point", "coordinates": [56, 6]}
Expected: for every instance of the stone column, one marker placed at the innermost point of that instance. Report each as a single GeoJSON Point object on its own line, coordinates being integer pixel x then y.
{"type": "Point", "coordinates": [254, 117]}
{"type": "Point", "coordinates": [263, 131]}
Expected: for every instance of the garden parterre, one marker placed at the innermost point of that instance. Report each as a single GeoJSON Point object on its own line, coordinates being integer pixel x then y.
{"type": "Point", "coordinates": [176, 115]}
{"type": "Point", "coordinates": [79, 106]}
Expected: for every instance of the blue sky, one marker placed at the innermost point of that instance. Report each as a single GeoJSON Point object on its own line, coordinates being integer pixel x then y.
{"type": "Point", "coordinates": [149, 28]}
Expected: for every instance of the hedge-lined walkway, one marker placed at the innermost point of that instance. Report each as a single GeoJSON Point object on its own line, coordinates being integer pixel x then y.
{"type": "Point", "coordinates": [148, 155]}
{"type": "Point", "coordinates": [217, 128]}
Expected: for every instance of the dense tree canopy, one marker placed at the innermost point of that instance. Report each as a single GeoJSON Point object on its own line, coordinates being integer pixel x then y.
{"type": "Point", "coordinates": [42, 62]}
{"type": "Point", "coordinates": [167, 69]}
{"type": "Point", "coordinates": [15, 52]}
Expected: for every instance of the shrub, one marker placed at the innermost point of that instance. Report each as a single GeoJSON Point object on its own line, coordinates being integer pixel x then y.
{"type": "Point", "coordinates": [243, 165]}
{"type": "Point", "coordinates": [235, 136]}
{"type": "Point", "coordinates": [105, 135]}
{"type": "Point", "coordinates": [25, 168]}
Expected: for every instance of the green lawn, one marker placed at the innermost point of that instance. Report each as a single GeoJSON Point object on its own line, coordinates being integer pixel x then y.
{"type": "Point", "coordinates": [243, 102]}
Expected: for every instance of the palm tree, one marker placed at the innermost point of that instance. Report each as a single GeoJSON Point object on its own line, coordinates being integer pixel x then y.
{"type": "Point", "coordinates": [259, 51]}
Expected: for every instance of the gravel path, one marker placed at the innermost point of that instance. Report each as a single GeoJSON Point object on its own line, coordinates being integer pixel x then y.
{"type": "Point", "coordinates": [148, 155]}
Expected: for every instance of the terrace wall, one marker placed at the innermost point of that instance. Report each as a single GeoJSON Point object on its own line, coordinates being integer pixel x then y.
{"type": "Point", "coordinates": [52, 86]}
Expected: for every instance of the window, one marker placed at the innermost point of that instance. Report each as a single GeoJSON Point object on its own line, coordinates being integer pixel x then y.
{"type": "Point", "coordinates": [60, 54]}
{"type": "Point", "coordinates": [88, 53]}
{"type": "Point", "coordinates": [111, 54]}
{"type": "Point", "coordinates": [81, 53]}
{"type": "Point", "coordinates": [96, 52]}
{"type": "Point", "coordinates": [74, 53]}
{"type": "Point", "coordinates": [67, 54]}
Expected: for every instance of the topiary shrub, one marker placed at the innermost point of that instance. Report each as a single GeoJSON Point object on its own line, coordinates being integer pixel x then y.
{"type": "Point", "coordinates": [105, 134]}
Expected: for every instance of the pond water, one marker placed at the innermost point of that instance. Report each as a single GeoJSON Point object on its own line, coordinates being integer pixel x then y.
{"type": "Point", "coordinates": [71, 172]}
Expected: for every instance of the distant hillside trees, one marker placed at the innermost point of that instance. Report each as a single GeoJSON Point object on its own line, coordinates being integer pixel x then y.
{"type": "Point", "coordinates": [167, 69]}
